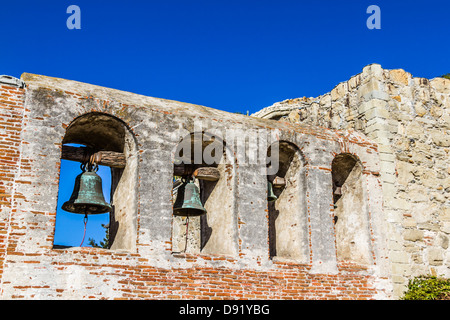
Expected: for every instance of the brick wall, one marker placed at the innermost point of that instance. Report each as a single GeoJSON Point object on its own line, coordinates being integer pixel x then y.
{"type": "Point", "coordinates": [11, 117]}
{"type": "Point", "coordinates": [101, 274]}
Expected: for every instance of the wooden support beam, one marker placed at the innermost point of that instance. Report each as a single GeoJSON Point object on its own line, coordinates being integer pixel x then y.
{"type": "Point", "coordinates": [279, 182]}
{"type": "Point", "coordinates": [104, 158]}
{"type": "Point", "coordinates": [207, 173]}
{"type": "Point", "coordinates": [117, 160]}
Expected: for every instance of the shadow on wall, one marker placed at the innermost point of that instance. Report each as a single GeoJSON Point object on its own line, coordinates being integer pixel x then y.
{"type": "Point", "coordinates": [350, 210]}
{"type": "Point", "coordinates": [288, 229]}
{"type": "Point", "coordinates": [216, 231]}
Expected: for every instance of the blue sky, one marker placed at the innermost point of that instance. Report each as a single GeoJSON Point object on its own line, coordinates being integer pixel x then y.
{"type": "Point", "coordinates": [230, 55]}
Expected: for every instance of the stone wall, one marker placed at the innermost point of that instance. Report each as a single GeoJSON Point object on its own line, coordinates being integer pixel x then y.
{"type": "Point", "coordinates": [143, 262]}
{"type": "Point", "coordinates": [409, 118]}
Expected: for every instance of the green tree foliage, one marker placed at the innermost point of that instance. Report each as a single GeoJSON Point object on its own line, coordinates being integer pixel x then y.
{"type": "Point", "coordinates": [428, 288]}
{"type": "Point", "coordinates": [446, 76]}
{"type": "Point", "coordinates": [103, 244]}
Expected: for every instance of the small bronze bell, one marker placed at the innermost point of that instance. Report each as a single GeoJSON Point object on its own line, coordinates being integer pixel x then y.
{"type": "Point", "coordinates": [87, 196]}
{"type": "Point", "coordinates": [270, 195]}
{"type": "Point", "coordinates": [188, 203]}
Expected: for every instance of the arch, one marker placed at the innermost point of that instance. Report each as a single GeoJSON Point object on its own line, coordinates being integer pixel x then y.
{"type": "Point", "coordinates": [288, 228]}
{"type": "Point", "coordinates": [98, 131]}
{"type": "Point", "coordinates": [199, 149]}
{"type": "Point", "coordinates": [215, 232]}
{"type": "Point", "coordinates": [350, 210]}
{"type": "Point", "coordinates": [104, 132]}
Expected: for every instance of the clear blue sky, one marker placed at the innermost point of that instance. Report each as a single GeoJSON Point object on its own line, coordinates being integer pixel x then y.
{"type": "Point", "coordinates": [230, 55]}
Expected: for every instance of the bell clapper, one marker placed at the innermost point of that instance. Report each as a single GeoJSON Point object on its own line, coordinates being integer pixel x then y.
{"type": "Point", "coordinates": [92, 166]}
{"type": "Point", "coordinates": [85, 220]}
{"type": "Point", "coordinates": [187, 232]}
{"type": "Point", "coordinates": [187, 179]}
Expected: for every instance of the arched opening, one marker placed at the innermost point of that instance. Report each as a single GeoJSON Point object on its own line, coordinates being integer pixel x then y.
{"type": "Point", "coordinates": [69, 228]}
{"type": "Point", "coordinates": [288, 237]}
{"type": "Point", "coordinates": [101, 132]}
{"type": "Point", "coordinates": [350, 210]}
{"type": "Point", "coordinates": [215, 231]}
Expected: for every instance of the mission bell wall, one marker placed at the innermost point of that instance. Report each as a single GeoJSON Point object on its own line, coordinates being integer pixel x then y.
{"type": "Point", "coordinates": [34, 122]}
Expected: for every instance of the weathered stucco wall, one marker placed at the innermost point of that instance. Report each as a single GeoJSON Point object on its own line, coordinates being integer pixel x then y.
{"type": "Point", "coordinates": [409, 118]}
{"type": "Point", "coordinates": [237, 263]}
{"type": "Point", "coordinates": [11, 120]}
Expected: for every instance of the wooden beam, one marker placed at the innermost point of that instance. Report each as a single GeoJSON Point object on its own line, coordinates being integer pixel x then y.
{"type": "Point", "coordinates": [279, 182]}
{"type": "Point", "coordinates": [117, 160]}
{"type": "Point", "coordinates": [207, 173]}
{"type": "Point", "coordinates": [104, 158]}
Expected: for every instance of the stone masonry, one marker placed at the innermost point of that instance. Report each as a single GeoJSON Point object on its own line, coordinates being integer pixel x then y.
{"type": "Point", "coordinates": [365, 205]}
{"type": "Point", "coordinates": [409, 119]}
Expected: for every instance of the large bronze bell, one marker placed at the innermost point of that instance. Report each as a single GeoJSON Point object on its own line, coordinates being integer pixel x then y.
{"type": "Point", "coordinates": [87, 196]}
{"type": "Point", "coordinates": [270, 195]}
{"type": "Point", "coordinates": [188, 203]}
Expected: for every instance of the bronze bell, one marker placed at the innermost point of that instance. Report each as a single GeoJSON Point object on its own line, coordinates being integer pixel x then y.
{"type": "Point", "coordinates": [270, 195]}
{"type": "Point", "coordinates": [87, 196]}
{"type": "Point", "coordinates": [188, 203]}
